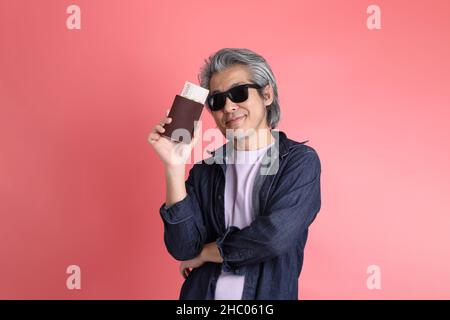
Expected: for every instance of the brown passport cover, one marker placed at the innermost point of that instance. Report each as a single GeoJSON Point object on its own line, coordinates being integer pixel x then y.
{"type": "Point", "coordinates": [183, 113]}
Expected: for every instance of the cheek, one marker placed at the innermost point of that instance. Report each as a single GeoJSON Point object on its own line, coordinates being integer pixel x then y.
{"type": "Point", "coordinates": [255, 105]}
{"type": "Point", "coordinates": [254, 110]}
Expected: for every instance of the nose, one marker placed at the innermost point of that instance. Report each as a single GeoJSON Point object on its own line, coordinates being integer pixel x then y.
{"type": "Point", "coordinates": [230, 106]}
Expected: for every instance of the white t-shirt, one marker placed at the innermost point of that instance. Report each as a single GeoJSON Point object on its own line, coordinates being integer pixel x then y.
{"type": "Point", "coordinates": [239, 179]}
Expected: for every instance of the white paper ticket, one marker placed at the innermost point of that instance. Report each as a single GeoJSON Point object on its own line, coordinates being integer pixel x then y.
{"type": "Point", "coordinates": [194, 92]}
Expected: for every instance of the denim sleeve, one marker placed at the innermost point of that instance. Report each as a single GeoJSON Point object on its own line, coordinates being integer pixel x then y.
{"type": "Point", "coordinates": [290, 210]}
{"type": "Point", "coordinates": [184, 230]}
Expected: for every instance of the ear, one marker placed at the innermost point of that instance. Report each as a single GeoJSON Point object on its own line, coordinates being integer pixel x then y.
{"type": "Point", "coordinates": [268, 95]}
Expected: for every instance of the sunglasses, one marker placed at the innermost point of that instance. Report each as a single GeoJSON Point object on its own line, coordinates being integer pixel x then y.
{"type": "Point", "coordinates": [236, 94]}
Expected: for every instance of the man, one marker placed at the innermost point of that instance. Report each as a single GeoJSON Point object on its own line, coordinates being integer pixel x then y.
{"type": "Point", "coordinates": [239, 229]}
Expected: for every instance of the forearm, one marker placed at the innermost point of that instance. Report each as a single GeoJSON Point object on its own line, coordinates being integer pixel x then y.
{"type": "Point", "coordinates": [175, 185]}
{"type": "Point", "coordinates": [272, 235]}
{"type": "Point", "coordinates": [210, 253]}
{"type": "Point", "coordinates": [184, 230]}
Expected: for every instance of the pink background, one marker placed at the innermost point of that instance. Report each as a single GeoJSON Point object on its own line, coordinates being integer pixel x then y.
{"type": "Point", "coordinates": [79, 184]}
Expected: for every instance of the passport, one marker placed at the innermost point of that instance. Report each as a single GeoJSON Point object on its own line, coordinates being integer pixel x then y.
{"type": "Point", "coordinates": [186, 109]}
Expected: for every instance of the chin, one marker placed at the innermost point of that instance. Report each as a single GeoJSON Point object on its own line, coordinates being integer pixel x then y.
{"type": "Point", "coordinates": [239, 132]}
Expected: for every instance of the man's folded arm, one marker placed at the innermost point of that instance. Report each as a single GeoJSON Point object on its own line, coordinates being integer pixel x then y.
{"type": "Point", "coordinates": [290, 211]}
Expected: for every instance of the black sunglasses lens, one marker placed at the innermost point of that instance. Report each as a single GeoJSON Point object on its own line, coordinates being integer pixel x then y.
{"type": "Point", "coordinates": [217, 101]}
{"type": "Point", "coordinates": [239, 93]}
{"type": "Point", "coordinates": [236, 94]}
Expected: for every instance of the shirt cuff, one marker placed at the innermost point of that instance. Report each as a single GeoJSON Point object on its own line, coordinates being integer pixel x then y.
{"type": "Point", "coordinates": [177, 212]}
{"type": "Point", "coordinates": [229, 255]}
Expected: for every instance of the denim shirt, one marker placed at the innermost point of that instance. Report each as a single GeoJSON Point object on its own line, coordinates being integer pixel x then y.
{"type": "Point", "coordinates": [269, 252]}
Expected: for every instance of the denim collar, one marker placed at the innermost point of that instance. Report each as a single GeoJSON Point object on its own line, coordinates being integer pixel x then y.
{"type": "Point", "coordinates": [221, 155]}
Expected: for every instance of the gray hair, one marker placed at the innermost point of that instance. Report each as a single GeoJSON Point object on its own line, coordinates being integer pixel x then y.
{"type": "Point", "coordinates": [260, 73]}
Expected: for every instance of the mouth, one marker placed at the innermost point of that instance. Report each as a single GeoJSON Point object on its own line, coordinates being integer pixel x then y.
{"type": "Point", "coordinates": [235, 121]}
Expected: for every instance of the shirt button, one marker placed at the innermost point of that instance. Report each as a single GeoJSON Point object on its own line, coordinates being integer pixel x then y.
{"type": "Point", "coordinates": [220, 197]}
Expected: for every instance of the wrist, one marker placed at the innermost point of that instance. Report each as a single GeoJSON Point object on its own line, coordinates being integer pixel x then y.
{"type": "Point", "coordinates": [174, 168]}
{"type": "Point", "coordinates": [211, 253]}
{"type": "Point", "coordinates": [204, 254]}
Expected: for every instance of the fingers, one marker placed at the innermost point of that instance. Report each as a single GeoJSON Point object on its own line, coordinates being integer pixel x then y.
{"type": "Point", "coordinates": [159, 128]}
{"type": "Point", "coordinates": [165, 119]}
{"type": "Point", "coordinates": [155, 135]}
{"type": "Point", "coordinates": [184, 270]}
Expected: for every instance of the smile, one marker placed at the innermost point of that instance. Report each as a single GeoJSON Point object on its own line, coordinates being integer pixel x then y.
{"type": "Point", "coordinates": [235, 121]}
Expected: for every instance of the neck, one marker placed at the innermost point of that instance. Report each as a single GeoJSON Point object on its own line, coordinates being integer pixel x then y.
{"type": "Point", "coordinates": [256, 140]}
